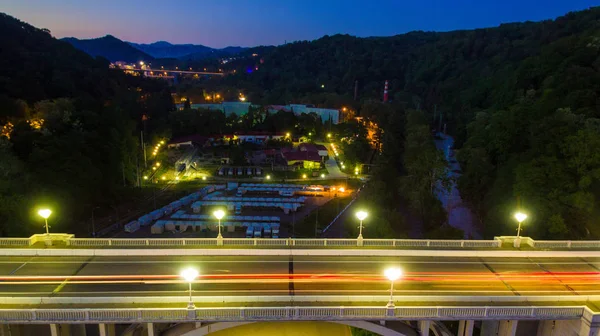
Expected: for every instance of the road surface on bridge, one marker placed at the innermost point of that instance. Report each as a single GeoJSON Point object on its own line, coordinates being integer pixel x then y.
{"type": "Point", "coordinates": [272, 275]}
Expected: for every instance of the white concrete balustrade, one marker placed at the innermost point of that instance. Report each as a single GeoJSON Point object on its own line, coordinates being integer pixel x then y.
{"type": "Point", "coordinates": [311, 313]}
{"type": "Point", "coordinates": [498, 242]}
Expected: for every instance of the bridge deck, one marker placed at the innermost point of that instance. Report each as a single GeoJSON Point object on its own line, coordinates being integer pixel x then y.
{"type": "Point", "coordinates": [290, 280]}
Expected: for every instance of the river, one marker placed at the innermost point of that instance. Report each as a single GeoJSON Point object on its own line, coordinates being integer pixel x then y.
{"type": "Point", "coordinates": [459, 215]}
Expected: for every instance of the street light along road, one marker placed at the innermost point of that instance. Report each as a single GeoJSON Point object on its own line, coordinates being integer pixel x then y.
{"type": "Point", "coordinates": [190, 274]}
{"type": "Point", "coordinates": [361, 215]}
{"type": "Point", "coordinates": [520, 218]}
{"type": "Point", "coordinates": [219, 214]}
{"type": "Point", "coordinates": [393, 274]}
{"type": "Point", "coordinates": [45, 213]}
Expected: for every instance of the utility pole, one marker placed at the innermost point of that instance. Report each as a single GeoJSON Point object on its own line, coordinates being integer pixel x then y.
{"type": "Point", "coordinates": [144, 148]}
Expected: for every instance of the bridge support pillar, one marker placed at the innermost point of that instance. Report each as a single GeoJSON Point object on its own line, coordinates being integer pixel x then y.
{"type": "Point", "coordinates": [424, 327]}
{"type": "Point", "coordinates": [508, 328]}
{"type": "Point", "coordinates": [151, 329]}
{"type": "Point", "coordinates": [465, 327]}
{"type": "Point", "coordinates": [54, 331]}
{"type": "Point", "coordinates": [106, 329]}
{"type": "Point", "coordinates": [590, 325]}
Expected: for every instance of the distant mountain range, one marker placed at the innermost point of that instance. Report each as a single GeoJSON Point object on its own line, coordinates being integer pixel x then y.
{"type": "Point", "coordinates": [114, 49]}
{"type": "Point", "coordinates": [109, 47]}
{"type": "Point", "coordinates": [163, 49]}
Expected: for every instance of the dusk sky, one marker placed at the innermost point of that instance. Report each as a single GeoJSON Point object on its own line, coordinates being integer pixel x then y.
{"type": "Point", "coordinates": [220, 23]}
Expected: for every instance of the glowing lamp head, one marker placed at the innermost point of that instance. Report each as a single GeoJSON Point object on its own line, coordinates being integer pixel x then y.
{"type": "Point", "coordinates": [219, 214]}
{"type": "Point", "coordinates": [342, 189]}
{"type": "Point", "coordinates": [393, 273]}
{"type": "Point", "coordinates": [203, 178]}
{"type": "Point", "coordinates": [361, 215]}
{"type": "Point", "coordinates": [303, 176]}
{"type": "Point", "coordinates": [45, 213]}
{"type": "Point", "coordinates": [322, 175]}
{"type": "Point", "coordinates": [287, 134]}
{"type": "Point", "coordinates": [268, 177]}
{"type": "Point", "coordinates": [189, 274]}
{"type": "Point", "coordinates": [520, 216]}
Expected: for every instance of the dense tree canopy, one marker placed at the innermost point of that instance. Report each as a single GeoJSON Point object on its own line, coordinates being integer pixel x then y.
{"type": "Point", "coordinates": [521, 99]}
{"type": "Point", "coordinates": [70, 128]}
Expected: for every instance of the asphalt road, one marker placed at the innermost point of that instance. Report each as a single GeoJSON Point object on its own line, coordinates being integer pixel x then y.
{"type": "Point", "coordinates": [157, 276]}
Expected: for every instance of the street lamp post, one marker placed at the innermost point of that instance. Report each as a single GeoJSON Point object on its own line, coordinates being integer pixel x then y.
{"type": "Point", "coordinates": [219, 214]}
{"type": "Point", "coordinates": [45, 213]}
{"type": "Point", "coordinates": [520, 218]}
{"type": "Point", "coordinates": [190, 274]}
{"type": "Point", "coordinates": [392, 274]}
{"type": "Point", "coordinates": [361, 215]}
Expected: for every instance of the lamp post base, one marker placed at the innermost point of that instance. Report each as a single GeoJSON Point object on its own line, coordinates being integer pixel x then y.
{"type": "Point", "coordinates": [191, 305]}
{"type": "Point", "coordinates": [219, 240]}
{"type": "Point", "coordinates": [359, 240]}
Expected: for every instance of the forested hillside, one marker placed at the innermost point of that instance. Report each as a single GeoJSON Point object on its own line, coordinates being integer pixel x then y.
{"type": "Point", "coordinates": [522, 100]}
{"type": "Point", "coordinates": [110, 48]}
{"type": "Point", "coordinates": [69, 129]}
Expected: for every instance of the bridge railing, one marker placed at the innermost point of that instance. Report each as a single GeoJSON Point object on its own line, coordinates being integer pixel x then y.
{"type": "Point", "coordinates": [267, 242]}
{"type": "Point", "coordinates": [497, 242]}
{"type": "Point", "coordinates": [566, 244]}
{"type": "Point", "coordinates": [88, 315]}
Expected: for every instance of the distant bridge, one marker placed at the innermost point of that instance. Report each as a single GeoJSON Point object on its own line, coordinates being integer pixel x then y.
{"type": "Point", "coordinates": [155, 72]}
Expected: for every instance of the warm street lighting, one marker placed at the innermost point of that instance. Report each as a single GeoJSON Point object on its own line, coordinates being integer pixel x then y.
{"type": "Point", "coordinates": [219, 214]}
{"type": "Point", "coordinates": [520, 218]}
{"type": "Point", "coordinates": [361, 215]}
{"type": "Point", "coordinates": [329, 135]}
{"type": "Point", "coordinates": [392, 274]}
{"type": "Point", "coordinates": [203, 178]}
{"type": "Point", "coordinates": [190, 274]}
{"type": "Point", "coordinates": [141, 63]}
{"type": "Point", "coordinates": [309, 133]}
{"type": "Point", "coordinates": [218, 96]}
{"type": "Point", "coordinates": [45, 213]}
{"type": "Point", "coordinates": [342, 189]}
{"type": "Point", "coordinates": [344, 109]}
{"type": "Point", "coordinates": [322, 175]}
{"type": "Point", "coordinates": [164, 178]}
{"type": "Point", "coordinates": [303, 176]}
{"type": "Point", "coordinates": [287, 135]}
{"type": "Point", "coordinates": [176, 178]}
{"type": "Point", "coordinates": [145, 177]}
{"type": "Point", "coordinates": [268, 177]}
{"type": "Point", "coordinates": [242, 99]}
{"type": "Point", "coordinates": [322, 85]}
{"type": "Point", "coordinates": [162, 142]}
{"type": "Point", "coordinates": [158, 164]}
